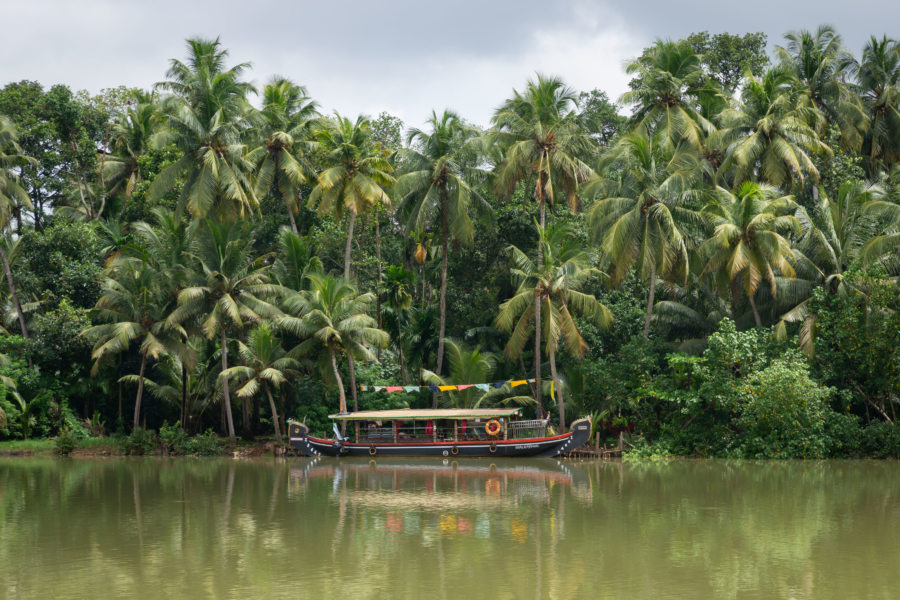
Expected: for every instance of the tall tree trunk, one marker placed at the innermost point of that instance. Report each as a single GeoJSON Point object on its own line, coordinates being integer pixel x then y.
{"type": "Point", "coordinates": [558, 391]}
{"type": "Point", "coordinates": [229, 419]}
{"type": "Point", "coordinates": [537, 312]}
{"type": "Point", "coordinates": [443, 302]}
{"type": "Point", "coordinates": [378, 264]}
{"type": "Point", "coordinates": [650, 294]}
{"type": "Point", "coordinates": [342, 403]}
{"type": "Point", "coordinates": [13, 294]}
{"type": "Point", "coordinates": [184, 409]}
{"type": "Point", "coordinates": [352, 369]}
{"type": "Point", "coordinates": [349, 243]}
{"type": "Point", "coordinates": [275, 419]}
{"type": "Point", "coordinates": [246, 420]}
{"type": "Point", "coordinates": [755, 312]}
{"type": "Point", "coordinates": [137, 401]}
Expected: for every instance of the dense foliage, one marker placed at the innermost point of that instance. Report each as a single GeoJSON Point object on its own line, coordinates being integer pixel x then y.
{"type": "Point", "coordinates": [714, 275]}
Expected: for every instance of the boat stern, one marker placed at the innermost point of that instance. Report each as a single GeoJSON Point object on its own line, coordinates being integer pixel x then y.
{"type": "Point", "coordinates": [298, 437]}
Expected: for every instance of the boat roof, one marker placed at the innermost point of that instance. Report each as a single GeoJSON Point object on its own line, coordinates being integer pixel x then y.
{"type": "Point", "coordinates": [421, 414]}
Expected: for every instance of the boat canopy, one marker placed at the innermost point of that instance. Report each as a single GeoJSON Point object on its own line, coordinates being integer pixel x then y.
{"type": "Point", "coordinates": [423, 414]}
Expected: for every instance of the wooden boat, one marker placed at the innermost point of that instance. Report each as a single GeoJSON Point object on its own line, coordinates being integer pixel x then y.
{"type": "Point", "coordinates": [489, 432]}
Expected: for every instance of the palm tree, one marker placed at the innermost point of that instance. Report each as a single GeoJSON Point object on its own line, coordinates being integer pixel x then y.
{"type": "Point", "coordinates": [747, 246]}
{"type": "Point", "coordinates": [12, 195]}
{"type": "Point", "coordinates": [539, 134]}
{"type": "Point", "coordinates": [334, 316]}
{"type": "Point", "coordinates": [465, 367]}
{"type": "Point", "coordinates": [644, 216]}
{"type": "Point", "coordinates": [556, 283]}
{"type": "Point", "coordinates": [204, 117]}
{"type": "Point", "coordinates": [229, 288]}
{"type": "Point", "coordinates": [265, 364]}
{"type": "Point", "coordinates": [663, 93]}
{"type": "Point", "coordinates": [398, 287]}
{"type": "Point", "coordinates": [436, 187]}
{"type": "Point", "coordinates": [878, 84]}
{"type": "Point", "coordinates": [130, 140]}
{"type": "Point", "coordinates": [818, 64]}
{"type": "Point", "coordinates": [284, 125]}
{"type": "Point", "coordinates": [359, 173]}
{"type": "Point", "coordinates": [296, 259]}
{"type": "Point", "coordinates": [773, 132]}
{"type": "Point", "coordinates": [136, 309]}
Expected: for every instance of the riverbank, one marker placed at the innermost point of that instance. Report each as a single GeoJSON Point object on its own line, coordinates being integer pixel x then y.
{"type": "Point", "coordinates": [109, 446]}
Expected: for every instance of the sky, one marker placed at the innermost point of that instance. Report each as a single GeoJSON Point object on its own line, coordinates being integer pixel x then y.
{"type": "Point", "coordinates": [406, 57]}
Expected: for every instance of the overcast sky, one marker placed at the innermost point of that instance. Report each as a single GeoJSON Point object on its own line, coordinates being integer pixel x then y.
{"type": "Point", "coordinates": [406, 57]}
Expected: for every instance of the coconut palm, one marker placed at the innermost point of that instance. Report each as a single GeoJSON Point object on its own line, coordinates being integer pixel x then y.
{"type": "Point", "coordinates": [284, 126]}
{"type": "Point", "coordinates": [644, 217]}
{"type": "Point", "coordinates": [435, 187]}
{"type": "Point", "coordinates": [774, 132]}
{"type": "Point", "coordinates": [818, 64]}
{"type": "Point", "coordinates": [398, 287]}
{"type": "Point", "coordinates": [747, 246]}
{"type": "Point", "coordinates": [666, 77]}
{"type": "Point", "coordinates": [204, 117]}
{"type": "Point", "coordinates": [878, 84]}
{"type": "Point", "coordinates": [265, 365]}
{"type": "Point", "coordinates": [135, 305]}
{"type": "Point", "coordinates": [358, 174]}
{"type": "Point", "coordinates": [229, 289]}
{"type": "Point", "coordinates": [465, 367]}
{"type": "Point", "coordinates": [12, 194]}
{"type": "Point", "coordinates": [539, 135]}
{"type": "Point", "coordinates": [130, 140]}
{"type": "Point", "coordinates": [332, 316]}
{"type": "Point", "coordinates": [296, 259]}
{"type": "Point", "coordinates": [556, 283]}
{"type": "Point", "coordinates": [835, 230]}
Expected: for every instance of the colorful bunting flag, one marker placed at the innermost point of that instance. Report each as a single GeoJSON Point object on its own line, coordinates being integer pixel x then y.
{"type": "Point", "coordinates": [483, 386]}
{"type": "Point", "coordinates": [393, 388]}
{"type": "Point", "coordinates": [518, 382]}
{"type": "Point", "coordinates": [464, 386]}
{"type": "Point", "coordinates": [410, 388]}
{"type": "Point", "coordinates": [447, 388]}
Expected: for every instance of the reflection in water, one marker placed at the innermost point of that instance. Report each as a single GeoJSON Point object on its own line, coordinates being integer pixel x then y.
{"type": "Point", "coordinates": [303, 528]}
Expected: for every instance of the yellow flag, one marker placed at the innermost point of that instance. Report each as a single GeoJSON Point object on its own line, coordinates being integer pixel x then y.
{"type": "Point", "coordinates": [551, 390]}
{"type": "Point", "coordinates": [446, 388]}
{"type": "Point", "coordinates": [518, 382]}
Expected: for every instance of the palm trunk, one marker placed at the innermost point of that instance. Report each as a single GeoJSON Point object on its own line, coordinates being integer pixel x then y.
{"type": "Point", "coordinates": [137, 401]}
{"type": "Point", "coordinates": [13, 294]}
{"type": "Point", "coordinates": [246, 420]}
{"type": "Point", "coordinates": [537, 311]}
{"type": "Point", "coordinates": [650, 294]}
{"type": "Point", "coordinates": [184, 409]}
{"type": "Point", "coordinates": [378, 264]}
{"type": "Point", "coordinates": [275, 420]}
{"type": "Point", "coordinates": [227, 400]}
{"type": "Point", "coordinates": [443, 316]}
{"type": "Point", "coordinates": [352, 369]}
{"type": "Point", "coordinates": [755, 312]}
{"type": "Point", "coordinates": [342, 402]}
{"type": "Point", "coordinates": [558, 390]}
{"type": "Point", "coordinates": [347, 249]}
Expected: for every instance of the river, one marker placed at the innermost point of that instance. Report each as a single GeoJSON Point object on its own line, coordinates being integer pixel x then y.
{"type": "Point", "coordinates": [439, 529]}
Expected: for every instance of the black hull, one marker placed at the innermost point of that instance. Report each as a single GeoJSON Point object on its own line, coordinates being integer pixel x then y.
{"type": "Point", "coordinates": [549, 446]}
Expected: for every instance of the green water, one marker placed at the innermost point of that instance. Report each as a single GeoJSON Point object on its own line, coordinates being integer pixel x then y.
{"type": "Point", "coordinates": [299, 528]}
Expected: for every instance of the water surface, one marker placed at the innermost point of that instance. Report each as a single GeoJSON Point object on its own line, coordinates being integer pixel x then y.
{"type": "Point", "coordinates": [357, 529]}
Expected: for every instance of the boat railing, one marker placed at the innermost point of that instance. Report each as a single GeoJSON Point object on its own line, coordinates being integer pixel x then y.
{"type": "Point", "coordinates": [443, 431]}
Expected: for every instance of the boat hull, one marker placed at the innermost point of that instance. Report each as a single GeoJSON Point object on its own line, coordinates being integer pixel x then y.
{"type": "Point", "coordinates": [308, 445]}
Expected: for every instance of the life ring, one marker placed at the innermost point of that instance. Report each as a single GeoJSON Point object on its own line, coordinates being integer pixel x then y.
{"type": "Point", "coordinates": [454, 450]}
{"type": "Point", "coordinates": [372, 450]}
{"type": "Point", "coordinates": [492, 427]}
{"type": "Point", "coordinates": [493, 447]}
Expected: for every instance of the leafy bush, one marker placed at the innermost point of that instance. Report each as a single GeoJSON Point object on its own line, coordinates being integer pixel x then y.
{"type": "Point", "coordinates": [844, 435]}
{"type": "Point", "coordinates": [139, 442]}
{"type": "Point", "coordinates": [174, 439]}
{"type": "Point", "coordinates": [881, 440]}
{"type": "Point", "coordinates": [66, 441]}
{"type": "Point", "coordinates": [783, 412]}
{"type": "Point", "coordinates": [205, 444]}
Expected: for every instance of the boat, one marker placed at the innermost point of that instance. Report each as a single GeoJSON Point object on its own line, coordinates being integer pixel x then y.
{"type": "Point", "coordinates": [455, 432]}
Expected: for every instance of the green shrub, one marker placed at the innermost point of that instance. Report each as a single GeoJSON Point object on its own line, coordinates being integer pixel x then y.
{"type": "Point", "coordinates": [782, 411]}
{"type": "Point", "coordinates": [881, 440]}
{"type": "Point", "coordinates": [205, 444]}
{"type": "Point", "coordinates": [139, 442]}
{"type": "Point", "coordinates": [66, 441]}
{"type": "Point", "coordinates": [174, 439]}
{"type": "Point", "coordinates": [844, 435]}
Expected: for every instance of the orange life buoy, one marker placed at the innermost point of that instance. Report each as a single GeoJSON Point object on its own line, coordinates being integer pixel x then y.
{"type": "Point", "coordinates": [492, 427]}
